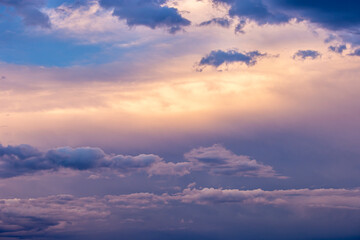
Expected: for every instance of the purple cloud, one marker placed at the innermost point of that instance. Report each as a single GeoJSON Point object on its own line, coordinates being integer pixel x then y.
{"type": "Point", "coordinates": [219, 161]}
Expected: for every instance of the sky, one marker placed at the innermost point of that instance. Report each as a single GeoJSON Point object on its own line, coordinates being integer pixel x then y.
{"type": "Point", "coordinates": [179, 119]}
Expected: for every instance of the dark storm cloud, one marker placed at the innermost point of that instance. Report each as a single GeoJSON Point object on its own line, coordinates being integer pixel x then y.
{"type": "Point", "coordinates": [223, 22]}
{"type": "Point", "coordinates": [218, 57]}
{"type": "Point", "coordinates": [331, 14]}
{"type": "Point", "coordinates": [338, 49]}
{"type": "Point", "coordinates": [150, 13]}
{"type": "Point", "coordinates": [29, 11]}
{"type": "Point", "coordinates": [306, 54]}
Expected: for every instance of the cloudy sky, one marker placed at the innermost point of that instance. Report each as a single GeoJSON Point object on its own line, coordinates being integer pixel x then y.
{"type": "Point", "coordinates": [179, 119]}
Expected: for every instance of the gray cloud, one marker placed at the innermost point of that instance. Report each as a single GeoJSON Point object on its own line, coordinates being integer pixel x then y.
{"type": "Point", "coordinates": [223, 22]}
{"type": "Point", "coordinates": [306, 54]}
{"type": "Point", "coordinates": [29, 11]}
{"type": "Point", "coordinates": [338, 48]}
{"type": "Point", "coordinates": [150, 13]}
{"type": "Point", "coordinates": [218, 57]}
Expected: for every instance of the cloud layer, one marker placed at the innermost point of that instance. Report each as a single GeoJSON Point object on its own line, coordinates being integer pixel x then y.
{"type": "Point", "coordinates": [60, 213]}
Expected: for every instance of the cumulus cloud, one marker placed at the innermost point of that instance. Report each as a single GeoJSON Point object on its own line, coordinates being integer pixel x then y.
{"type": "Point", "coordinates": [29, 11]}
{"type": "Point", "coordinates": [223, 22]}
{"type": "Point", "coordinates": [150, 13]}
{"type": "Point", "coordinates": [24, 159]}
{"type": "Point", "coordinates": [333, 14]}
{"type": "Point", "coordinates": [219, 161]}
{"type": "Point", "coordinates": [306, 54]}
{"type": "Point", "coordinates": [338, 48]}
{"type": "Point", "coordinates": [216, 160]}
{"type": "Point", "coordinates": [218, 57]}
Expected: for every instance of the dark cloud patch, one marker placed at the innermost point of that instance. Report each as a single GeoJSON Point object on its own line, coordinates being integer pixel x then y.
{"type": "Point", "coordinates": [223, 22]}
{"type": "Point", "coordinates": [240, 26]}
{"type": "Point", "coordinates": [29, 11]}
{"type": "Point", "coordinates": [355, 53]}
{"type": "Point", "coordinates": [150, 13]}
{"type": "Point", "coordinates": [306, 54]}
{"type": "Point", "coordinates": [218, 57]}
{"type": "Point", "coordinates": [330, 14]}
{"type": "Point", "coordinates": [338, 49]}
{"type": "Point", "coordinates": [79, 158]}
{"type": "Point", "coordinates": [24, 159]}
{"type": "Point", "coordinates": [255, 10]}
{"type": "Point", "coordinates": [14, 225]}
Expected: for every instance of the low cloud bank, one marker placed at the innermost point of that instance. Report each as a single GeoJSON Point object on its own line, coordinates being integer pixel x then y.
{"type": "Point", "coordinates": [216, 160]}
